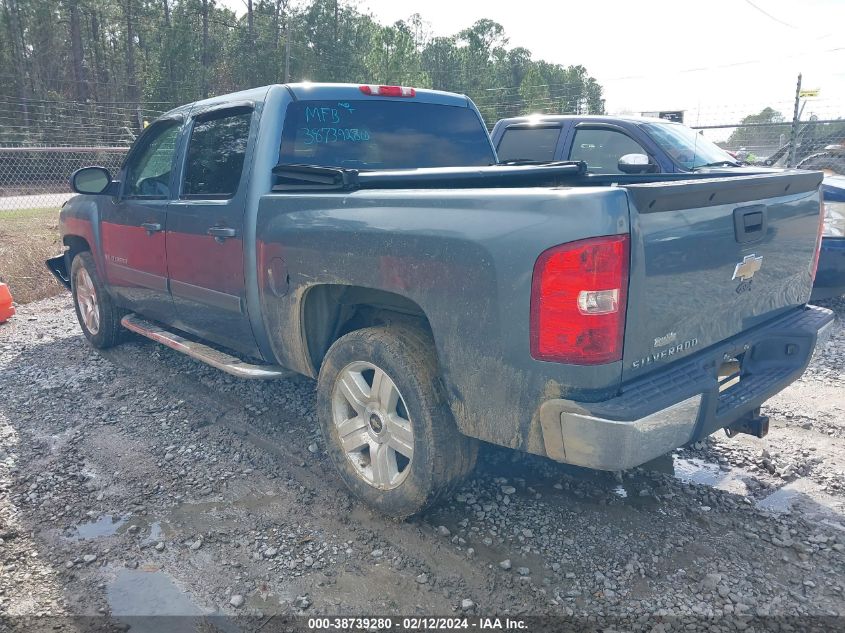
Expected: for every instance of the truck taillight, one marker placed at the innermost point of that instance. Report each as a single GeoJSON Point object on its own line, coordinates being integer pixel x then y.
{"type": "Point", "coordinates": [388, 91]}
{"type": "Point", "coordinates": [815, 266]}
{"type": "Point", "coordinates": [578, 301]}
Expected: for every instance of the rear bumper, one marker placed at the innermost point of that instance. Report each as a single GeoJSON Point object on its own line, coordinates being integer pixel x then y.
{"type": "Point", "coordinates": [830, 276]}
{"type": "Point", "coordinates": [682, 403]}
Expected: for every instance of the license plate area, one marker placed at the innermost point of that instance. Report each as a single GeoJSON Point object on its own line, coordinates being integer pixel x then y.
{"type": "Point", "coordinates": [729, 373]}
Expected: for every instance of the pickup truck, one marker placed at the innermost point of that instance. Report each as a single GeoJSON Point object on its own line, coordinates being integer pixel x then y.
{"type": "Point", "coordinates": [627, 144]}
{"type": "Point", "coordinates": [830, 279]}
{"type": "Point", "coordinates": [366, 236]}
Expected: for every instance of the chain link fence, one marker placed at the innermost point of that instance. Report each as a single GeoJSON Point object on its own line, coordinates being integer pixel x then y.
{"type": "Point", "coordinates": [33, 187]}
{"type": "Point", "coordinates": [34, 173]}
{"type": "Point", "coordinates": [37, 177]}
{"type": "Point", "coordinates": [42, 145]}
{"type": "Point", "coordinates": [43, 142]}
{"type": "Point", "coordinates": [819, 144]}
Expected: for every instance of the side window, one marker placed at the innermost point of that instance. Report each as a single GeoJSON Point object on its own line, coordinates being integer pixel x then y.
{"type": "Point", "coordinates": [148, 169]}
{"type": "Point", "coordinates": [602, 149]}
{"type": "Point", "coordinates": [528, 143]}
{"type": "Point", "coordinates": [216, 154]}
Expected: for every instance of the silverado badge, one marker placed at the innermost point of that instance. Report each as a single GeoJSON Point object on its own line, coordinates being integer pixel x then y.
{"type": "Point", "coordinates": [661, 341]}
{"type": "Point", "coordinates": [749, 265]}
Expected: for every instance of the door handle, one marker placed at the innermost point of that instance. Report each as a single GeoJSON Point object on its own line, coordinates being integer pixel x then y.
{"type": "Point", "coordinates": [221, 233]}
{"type": "Point", "coordinates": [151, 227]}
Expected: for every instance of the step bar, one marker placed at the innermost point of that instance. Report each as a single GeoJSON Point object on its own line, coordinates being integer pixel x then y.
{"type": "Point", "coordinates": [201, 352]}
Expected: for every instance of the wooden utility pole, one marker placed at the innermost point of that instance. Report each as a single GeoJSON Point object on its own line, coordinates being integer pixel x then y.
{"type": "Point", "coordinates": [132, 80]}
{"type": "Point", "coordinates": [287, 49]}
{"type": "Point", "coordinates": [80, 77]}
{"type": "Point", "coordinates": [205, 56]}
{"type": "Point", "coordinates": [18, 48]}
{"type": "Point", "coordinates": [793, 133]}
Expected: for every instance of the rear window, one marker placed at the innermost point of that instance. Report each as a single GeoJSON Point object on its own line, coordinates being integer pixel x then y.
{"type": "Point", "coordinates": [380, 134]}
{"type": "Point", "coordinates": [528, 143]}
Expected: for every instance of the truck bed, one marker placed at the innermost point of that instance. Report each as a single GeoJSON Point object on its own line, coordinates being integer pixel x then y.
{"type": "Point", "coordinates": [464, 258]}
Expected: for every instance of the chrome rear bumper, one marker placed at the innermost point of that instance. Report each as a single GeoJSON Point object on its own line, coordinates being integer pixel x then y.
{"type": "Point", "coordinates": [586, 440]}
{"type": "Point", "coordinates": [682, 403]}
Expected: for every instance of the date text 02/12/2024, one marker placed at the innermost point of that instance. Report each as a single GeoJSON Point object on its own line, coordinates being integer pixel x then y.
{"type": "Point", "coordinates": [419, 623]}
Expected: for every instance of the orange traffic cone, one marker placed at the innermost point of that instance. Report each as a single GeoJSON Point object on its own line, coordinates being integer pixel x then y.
{"type": "Point", "coordinates": [6, 308]}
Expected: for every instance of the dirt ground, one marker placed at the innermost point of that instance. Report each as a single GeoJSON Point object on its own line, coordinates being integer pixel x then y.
{"type": "Point", "coordinates": [27, 238]}
{"type": "Point", "coordinates": [138, 482]}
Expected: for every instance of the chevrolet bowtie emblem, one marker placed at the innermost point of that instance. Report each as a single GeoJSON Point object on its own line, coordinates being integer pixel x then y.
{"type": "Point", "coordinates": [749, 265]}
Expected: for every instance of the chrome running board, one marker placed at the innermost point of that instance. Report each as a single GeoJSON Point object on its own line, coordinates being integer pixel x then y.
{"type": "Point", "coordinates": [201, 352]}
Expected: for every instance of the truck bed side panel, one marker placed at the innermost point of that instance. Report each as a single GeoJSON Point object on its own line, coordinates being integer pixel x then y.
{"type": "Point", "coordinates": [466, 259]}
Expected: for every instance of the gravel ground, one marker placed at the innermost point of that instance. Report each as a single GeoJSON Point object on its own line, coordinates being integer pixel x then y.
{"type": "Point", "coordinates": [138, 481]}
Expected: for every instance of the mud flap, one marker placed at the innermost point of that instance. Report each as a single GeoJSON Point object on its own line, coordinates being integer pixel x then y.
{"type": "Point", "coordinates": [58, 266]}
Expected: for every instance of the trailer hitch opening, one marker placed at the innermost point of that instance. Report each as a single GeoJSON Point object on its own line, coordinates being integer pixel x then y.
{"type": "Point", "coordinates": [752, 424]}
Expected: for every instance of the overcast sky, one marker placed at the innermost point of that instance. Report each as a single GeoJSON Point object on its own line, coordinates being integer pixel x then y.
{"type": "Point", "coordinates": [718, 59]}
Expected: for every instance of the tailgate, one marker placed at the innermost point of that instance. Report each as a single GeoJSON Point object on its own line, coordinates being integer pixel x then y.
{"type": "Point", "coordinates": [712, 258]}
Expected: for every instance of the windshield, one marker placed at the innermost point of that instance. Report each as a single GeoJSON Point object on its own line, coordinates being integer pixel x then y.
{"type": "Point", "coordinates": [381, 134]}
{"type": "Point", "coordinates": [685, 146]}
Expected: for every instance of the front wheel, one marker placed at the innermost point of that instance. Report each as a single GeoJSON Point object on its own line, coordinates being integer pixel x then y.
{"type": "Point", "coordinates": [98, 317]}
{"type": "Point", "coordinates": [387, 426]}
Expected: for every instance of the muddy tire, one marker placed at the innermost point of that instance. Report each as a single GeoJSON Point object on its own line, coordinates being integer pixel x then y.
{"type": "Point", "coordinates": [387, 425]}
{"type": "Point", "coordinates": [98, 317]}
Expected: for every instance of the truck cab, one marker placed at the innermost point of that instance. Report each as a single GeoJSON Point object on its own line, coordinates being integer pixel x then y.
{"type": "Point", "coordinates": [602, 142]}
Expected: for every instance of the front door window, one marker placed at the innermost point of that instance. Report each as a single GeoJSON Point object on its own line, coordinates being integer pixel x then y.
{"type": "Point", "coordinates": [601, 149]}
{"type": "Point", "coordinates": [148, 170]}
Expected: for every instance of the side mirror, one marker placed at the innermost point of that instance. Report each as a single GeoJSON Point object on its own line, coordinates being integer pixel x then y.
{"type": "Point", "coordinates": [635, 164]}
{"type": "Point", "coordinates": [91, 180]}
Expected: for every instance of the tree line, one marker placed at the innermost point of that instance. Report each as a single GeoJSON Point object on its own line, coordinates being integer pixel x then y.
{"type": "Point", "coordinates": [762, 134]}
{"type": "Point", "coordinates": [128, 59]}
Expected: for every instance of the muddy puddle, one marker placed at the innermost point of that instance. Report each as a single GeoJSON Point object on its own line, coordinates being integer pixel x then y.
{"type": "Point", "coordinates": [149, 600]}
{"type": "Point", "coordinates": [147, 591]}
{"type": "Point", "coordinates": [801, 495]}
{"type": "Point", "coordinates": [105, 525]}
{"type": "Point", "coordinates": [806, 497]}
{"type": "Point", "coordinates": [185, 517]}
{"type": "Point", "coordinates": [697, 471]}
{"type": "Point", "coordinates": [155, 533]}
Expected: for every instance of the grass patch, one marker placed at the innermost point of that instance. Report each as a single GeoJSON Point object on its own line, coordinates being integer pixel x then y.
{"type": "Point", "coordinates": [27, 238]}
{"type": "Point", "coordinates": [22, 214]}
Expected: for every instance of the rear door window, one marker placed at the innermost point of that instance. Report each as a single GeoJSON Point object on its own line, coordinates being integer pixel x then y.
{"type": "Point", "coordinates": [528, 143]}
{"type": "Point", "coordinates": [382, 134]}
{"type": "Point", "coordinates": [216, 154]}
{"type": "Point", "coordinates": [601, 149]}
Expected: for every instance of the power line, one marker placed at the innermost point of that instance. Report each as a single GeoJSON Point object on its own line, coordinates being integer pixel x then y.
{"type": "Point", "coordinates": [770, 16]}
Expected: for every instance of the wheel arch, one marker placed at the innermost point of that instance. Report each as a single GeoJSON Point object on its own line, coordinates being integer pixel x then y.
{"type": "Point", "coordinates": [74, 245]}
{"type": "Point", "coordinates": [331, 310]}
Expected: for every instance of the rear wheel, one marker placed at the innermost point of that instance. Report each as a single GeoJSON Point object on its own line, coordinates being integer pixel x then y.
{"type": "Point", "coordinates": [387, 426]}
{"type": "Point", "coordinates": [98, 317]}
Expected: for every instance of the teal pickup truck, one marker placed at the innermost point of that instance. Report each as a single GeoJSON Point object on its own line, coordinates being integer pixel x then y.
{"type": "Point", "coordinates": [367, 237]}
